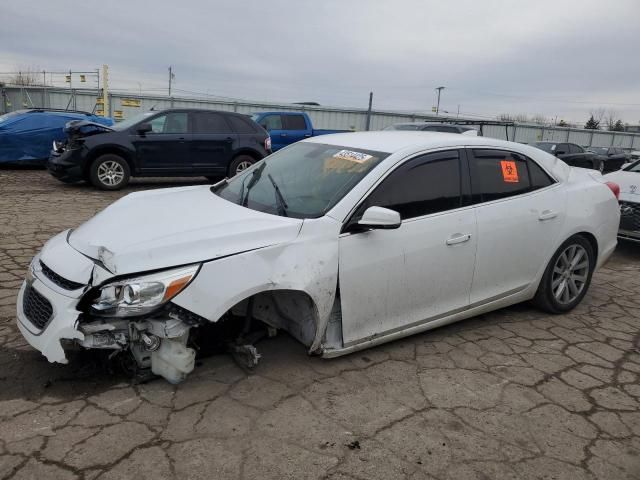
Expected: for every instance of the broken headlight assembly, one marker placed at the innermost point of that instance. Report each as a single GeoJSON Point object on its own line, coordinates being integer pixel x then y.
{"type": "Point", "coordinates": [143, 294]}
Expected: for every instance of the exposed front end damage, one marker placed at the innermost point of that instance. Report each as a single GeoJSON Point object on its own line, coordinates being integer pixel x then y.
{"type": "Point", "coordinates": [71, 301]}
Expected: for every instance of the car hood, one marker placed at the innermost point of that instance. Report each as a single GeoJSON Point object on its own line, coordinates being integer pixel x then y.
{"type": "Point", "coordinates": [629, 183]}
{"type": "Point", "coordinates": [176, 226]}
{"type": "Point", "coordinates": [85, 128]}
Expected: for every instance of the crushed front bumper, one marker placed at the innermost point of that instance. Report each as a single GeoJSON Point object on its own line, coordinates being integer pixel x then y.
{"type": "Point", "coordinates": [46, 335]}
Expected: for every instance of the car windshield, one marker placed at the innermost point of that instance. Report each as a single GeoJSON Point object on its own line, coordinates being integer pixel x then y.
{"type": "Point", "coordinates": [132, 121]}
{"type": "Point", "coordinates": [634, 167]}
{"type": "Point", "coordinates": [404, 126]}
{"type": "Point", "coordinates": [546, 146]}
{"type": "Point", "coordinates": [304, 180]}
{"type": "Point", "coordinates": [599, 150]}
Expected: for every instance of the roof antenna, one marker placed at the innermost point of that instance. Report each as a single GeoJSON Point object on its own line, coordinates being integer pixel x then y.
{"type": "Point", "coordinates": [153, 108]}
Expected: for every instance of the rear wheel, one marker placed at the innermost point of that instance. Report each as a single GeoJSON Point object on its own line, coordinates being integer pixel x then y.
{"type": "Point", "coordinates": [240, 163]}
{"type": "Point", "coordinates": [567, 277]}
{"type": "Point", "coordinates": [109, 172]}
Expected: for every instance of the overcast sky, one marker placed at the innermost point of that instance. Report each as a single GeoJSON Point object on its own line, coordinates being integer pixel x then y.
{"type": "Point", "coordinates": [557, 57]}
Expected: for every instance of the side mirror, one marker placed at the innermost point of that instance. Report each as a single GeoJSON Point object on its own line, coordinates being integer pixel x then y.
{"type": "Point", "coordinates": [264, 125]}
{"type": "Point", "coordinates": [144, 128]}
{"type": "Point", "coordinates": [379, 217]}
{"type": "Point", "coordinates": [560, 152]}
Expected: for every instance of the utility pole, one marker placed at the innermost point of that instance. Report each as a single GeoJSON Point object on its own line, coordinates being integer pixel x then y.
{"type": "Point", "coordinates": [458, 115]}
{"type": "Point", "coordinates": [170, 79]}
{"type": "Point", "coordinates": [105, 91]}
{"type": "Point", "coordinates": [439, 89]}
{"type": "Point", "coordinates": [369, 111]}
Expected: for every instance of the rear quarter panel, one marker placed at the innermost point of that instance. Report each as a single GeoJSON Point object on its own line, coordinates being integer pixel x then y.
{"type": "Point", "coordinates": [592, 208]}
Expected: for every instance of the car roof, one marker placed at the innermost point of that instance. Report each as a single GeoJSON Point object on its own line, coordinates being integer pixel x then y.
{"type": "Point", "coordinates": [434, 124]}
{"type": "Point", "coordinates": [392, 141]}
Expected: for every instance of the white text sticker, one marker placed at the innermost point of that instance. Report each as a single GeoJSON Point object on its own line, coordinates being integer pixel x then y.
{"type": "Point", "coordinates": [357, 157]}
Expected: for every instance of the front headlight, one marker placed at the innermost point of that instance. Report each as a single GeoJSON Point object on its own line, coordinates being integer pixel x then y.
{"type": "Point", "coordinates": [141, 295]}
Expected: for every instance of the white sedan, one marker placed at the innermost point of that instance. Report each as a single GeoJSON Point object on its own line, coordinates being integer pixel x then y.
{"type": "Point", "coordinates": [629, 181]}
{"type": "Point", "coordinates": [344, 241]}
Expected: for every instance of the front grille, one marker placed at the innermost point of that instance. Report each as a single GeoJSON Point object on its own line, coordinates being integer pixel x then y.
{"type": "Point", "coordinates": [37, 308]}
{"type": "Point", "coordinates": [58, 280]}
{"type": "Point", "coordinates": [629, 216]}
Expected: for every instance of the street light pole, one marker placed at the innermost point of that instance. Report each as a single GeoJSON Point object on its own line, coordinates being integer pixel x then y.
{"type": "Point", "coordinates": [439, 89]}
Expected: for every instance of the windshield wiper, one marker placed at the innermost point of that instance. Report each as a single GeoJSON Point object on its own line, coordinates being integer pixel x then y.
{"type": "Point", "coordinates": [282, 205]}
{"type": "Point", "coordinates": [255, 176]}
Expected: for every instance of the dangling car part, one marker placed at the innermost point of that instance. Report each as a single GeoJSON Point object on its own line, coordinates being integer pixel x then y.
{"type": "Point", "coordinates": [344, 242]}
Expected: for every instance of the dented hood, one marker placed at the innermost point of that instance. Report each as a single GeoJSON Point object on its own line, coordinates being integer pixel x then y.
{"type": "Point", "coordinates": [168, 227]}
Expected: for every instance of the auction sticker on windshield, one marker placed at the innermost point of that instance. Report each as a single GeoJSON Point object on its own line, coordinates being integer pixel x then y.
{"type": "Point", "coordinates": [352, 156]}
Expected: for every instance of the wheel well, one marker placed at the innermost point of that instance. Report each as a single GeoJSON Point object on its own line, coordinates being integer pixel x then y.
{"type": "Point", "coordinates": [592, 241]}
{"type": "Point", "coordinates": [293, 311]}
{"type": "Point", "coordinates": [103, 151]}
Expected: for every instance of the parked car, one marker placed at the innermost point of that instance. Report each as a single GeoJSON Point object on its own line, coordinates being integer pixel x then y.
{"type": "Point", "coordinates": [635, 155]}
{"type": "Point", "coordinates": [286, 128]}
{"type": "Point", "coordinates": [613, 157]}
{"type": "Point", "coordinates": [417, 230]}
{"type": "Point", "coordinates": [629, 181]}
{"type": "Point", "coordinates": [434, 127]}
{"type": "Point", "coordinates": [573, 155]}
{"type": "Point", "coordinates": [168, 143]}
{"type": "Point", "coordinates": [26, 135]}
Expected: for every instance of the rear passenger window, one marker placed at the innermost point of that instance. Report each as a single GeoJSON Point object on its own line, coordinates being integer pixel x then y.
{"type": "Point", "coordinates": [498, 174]}
{"type": "Point", "coordinates": [241, 125]}
{"type": "Point", "coordinates": [424, 185]}
{"type": "Point", "coordinates": [294, 122]}
{"type": "Point", "coordinates": [574, 148]}
{"type": "Point", "coordinates": [210, 123]}
{"type": "Point", "coordinates": [539, 178]}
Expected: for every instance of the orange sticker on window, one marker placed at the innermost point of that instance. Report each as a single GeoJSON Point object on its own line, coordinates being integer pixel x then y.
{"type": "Point", "coordinates": [509, 171]}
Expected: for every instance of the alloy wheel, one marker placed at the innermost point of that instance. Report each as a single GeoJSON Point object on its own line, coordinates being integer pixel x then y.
{"type": "Point", "coordinates": [243, 166]}
{"type": "Point", "coordinates": [570, 274]}
{"type": "Point", "coordinates": [110, 173]}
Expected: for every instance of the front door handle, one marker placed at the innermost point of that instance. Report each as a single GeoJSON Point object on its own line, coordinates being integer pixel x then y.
{"type": "Point", "coordinates": [459, 238]}
{"type": "Point", "coordinates": [283, 134]}
{"type": "Point", "coordinates": [228, 139]}
{"type": "Point", "coordinates": [547, 215]}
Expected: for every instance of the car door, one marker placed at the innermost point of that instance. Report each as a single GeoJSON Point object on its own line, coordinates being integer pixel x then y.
{"type": "Point", "coordinates": [390, 280]}
{"type": "Point", "coordinates": [295, 128]}
{"type": "Point", "coordinates": [274, 124]}
{"type": "Point", "coordinates": [211, 144]}
{"type": "Point", "coordinates": [520, 211]}
{"type": "Point", "coordinates": [165, 149]}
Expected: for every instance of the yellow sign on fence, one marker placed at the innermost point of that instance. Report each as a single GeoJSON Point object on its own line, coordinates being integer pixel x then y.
{"type": "Point", "coordinates": [130, 102]}
{"type": "Point", "coordinates": [117, 114]}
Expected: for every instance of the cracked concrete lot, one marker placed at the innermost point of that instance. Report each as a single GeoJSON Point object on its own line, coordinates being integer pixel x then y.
{"type": "Point", "coordinates": [516, 394]}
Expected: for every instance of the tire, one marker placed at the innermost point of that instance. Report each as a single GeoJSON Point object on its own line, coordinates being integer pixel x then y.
{"type": "Point", "coordinates": [109, 172]}
{"type": "Point", "coordinates": [240, 163]}
{"type": "Point", "coordinates": [551, 295]}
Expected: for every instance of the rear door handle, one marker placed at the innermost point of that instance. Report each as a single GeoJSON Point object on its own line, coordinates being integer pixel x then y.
{"type": "Point", "coordinates": [547, 215]}
{"type": "Point", "coordinates": [459, 238]}
{"type": "Point", "coordinates": [228, 139]}
{"type": "Point", "coordinates": [307, 135]}
{"type": "Point", "coordinates": [283, 134]}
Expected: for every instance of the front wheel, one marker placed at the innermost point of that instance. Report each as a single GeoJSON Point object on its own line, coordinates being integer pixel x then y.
{"type": "Point", "coordinates": [109, 172]}
{"type": "Point", "coordinates": [567, 277]}
{"type": "Point", "coordinates": [240, 163]}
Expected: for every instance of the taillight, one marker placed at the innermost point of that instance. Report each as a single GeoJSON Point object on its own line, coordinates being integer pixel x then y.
{"type": "Point", "coordinates": [267, 144]}
{"type": "Point", "coordinates": [615, 188]}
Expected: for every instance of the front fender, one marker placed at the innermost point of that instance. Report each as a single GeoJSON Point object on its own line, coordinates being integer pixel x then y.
{"type": "Point", "coordinates": [307, 264]}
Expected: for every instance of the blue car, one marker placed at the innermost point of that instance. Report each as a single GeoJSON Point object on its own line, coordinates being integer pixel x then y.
{"type": "Point", "coordinates": [26, 136]}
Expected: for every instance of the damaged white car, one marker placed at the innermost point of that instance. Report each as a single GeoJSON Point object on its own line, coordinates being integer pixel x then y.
{"type": "Point", "coordinates": [343, 241]}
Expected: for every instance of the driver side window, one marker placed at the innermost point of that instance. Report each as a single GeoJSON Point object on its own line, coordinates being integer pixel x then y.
{"type": "Point", "coordinates": [424, 185]}
{"type": "Point", "coordinates": [175, 122]}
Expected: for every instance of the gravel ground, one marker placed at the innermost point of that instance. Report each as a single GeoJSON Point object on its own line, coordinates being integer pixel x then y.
{"type": "Point", "coordinates": [515, 394]}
